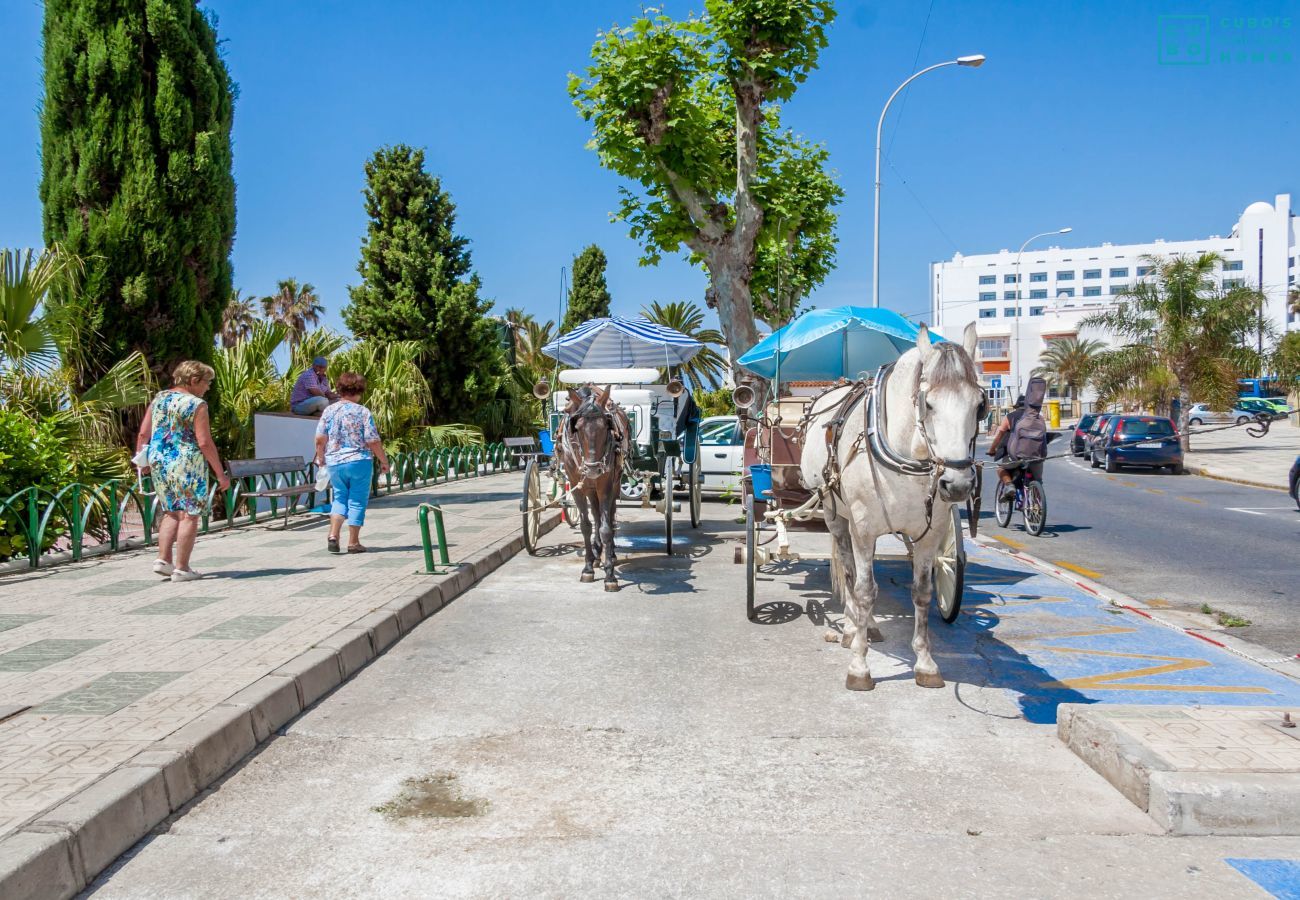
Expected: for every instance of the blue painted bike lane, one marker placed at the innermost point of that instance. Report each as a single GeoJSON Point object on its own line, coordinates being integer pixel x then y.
{"type": "Point", "coordinates": [1050, 642]}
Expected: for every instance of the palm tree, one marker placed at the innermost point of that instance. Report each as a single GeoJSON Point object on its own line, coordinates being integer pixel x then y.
{"type": "Point", "coordinates": [396, 390]}
{"type": "Point", "coordinates": [247, 382]}
{"type": "Point", "coordinates": [1066, 364]}
{"type": "Point", "coordinates": [237, 319]}
{"type": "Point", "coordinates": [30, 329]}
{"type": "Point", "coordinates": [703, 371]}
{"type": "Point", "coordinates": [1293, 300]}
{"type": "Point", "coordinates": [294, 306]}
{"type": "Point", "coordinates": [1180, 321]}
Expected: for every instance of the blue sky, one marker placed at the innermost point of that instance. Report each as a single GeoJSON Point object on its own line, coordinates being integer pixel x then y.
{"type": "Point", "coordinates": [1072, 121]}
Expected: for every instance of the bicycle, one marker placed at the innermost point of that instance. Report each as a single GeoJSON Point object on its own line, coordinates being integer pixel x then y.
{"type": "Point", "coordinates": [1030, 498]}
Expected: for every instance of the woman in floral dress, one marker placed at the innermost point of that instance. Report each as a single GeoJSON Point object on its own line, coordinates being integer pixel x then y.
{"type": "Point", "coordinates": [179, 439]}
{"type": "Point", "coordinates": [347, 441]}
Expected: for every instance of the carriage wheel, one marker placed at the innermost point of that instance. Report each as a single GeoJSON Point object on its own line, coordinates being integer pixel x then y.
{"type": "Point", "coordinates": [751, 555]}
{"type": "Point", "coordinates": [531, 506]}
{"type": "Point", "coordinates": [666, 485]}
{"type": "Point", "coordinates": [694, 487]}
{"type": "Point", "coordinates": [560, 493]}
{"type": "Point", "coordinates": [631, 487]}
{"type": "Point", "coordinates": [949, 571]}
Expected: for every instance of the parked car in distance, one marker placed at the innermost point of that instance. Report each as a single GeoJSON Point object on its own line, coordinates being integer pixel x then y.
{"type": "Point", "coordinates": [1079, 439]}
{"type": "Point", "coordinates": [1145, 441]}
{"type": "Point", "coordinates": [1094, 432]}
{"type": "Point", "coordinates": [1270, 406]}
{"type": "Point", "coordinates": [722, 454]}
{"type": "Point", "coordinates": [1201, 414]}
{"type": "Point", "coordinates": [1295, 482]}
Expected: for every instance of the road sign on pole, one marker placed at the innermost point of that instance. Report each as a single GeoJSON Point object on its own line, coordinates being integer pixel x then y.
{"type": "Point", "coordinates": [996, 383]}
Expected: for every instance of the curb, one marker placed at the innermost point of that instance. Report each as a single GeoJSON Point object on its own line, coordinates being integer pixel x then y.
{"type": "Point", "coordinates": [1206, 473]}
{"type": "Point", "coordinates": [1260, 655]}
{"type": "Point", "coordinates": [66, 847]}
{"type": "Point", "coordinates": [1181, 802]}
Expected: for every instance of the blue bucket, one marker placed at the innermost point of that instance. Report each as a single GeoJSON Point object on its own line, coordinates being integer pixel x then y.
{"type": "Point", "coordinates": [760, 475]}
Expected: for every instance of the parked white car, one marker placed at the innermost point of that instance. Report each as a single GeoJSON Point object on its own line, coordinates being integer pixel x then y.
{"type": "Point", "coordinates": [722, 450]}
{"type": "Point", "coordinates": [1201, 414]}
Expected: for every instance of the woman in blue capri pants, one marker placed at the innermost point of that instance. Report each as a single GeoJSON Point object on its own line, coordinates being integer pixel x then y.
{"type": "Point", "coordinates": [347, 442]}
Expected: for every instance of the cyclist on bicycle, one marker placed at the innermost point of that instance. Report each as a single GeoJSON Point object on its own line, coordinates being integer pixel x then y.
{"type": "Point", "coordinates": [1030, 445]}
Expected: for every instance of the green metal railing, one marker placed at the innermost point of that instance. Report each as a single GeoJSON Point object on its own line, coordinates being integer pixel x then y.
{"type": "Point", "coordinates": [43, 521]}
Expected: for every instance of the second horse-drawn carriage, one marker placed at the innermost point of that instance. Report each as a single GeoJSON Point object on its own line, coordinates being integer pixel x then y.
{"type": "Point", "coordinates": [623, 365]}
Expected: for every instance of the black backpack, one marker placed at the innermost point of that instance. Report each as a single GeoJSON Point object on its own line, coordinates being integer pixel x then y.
{"type": "Point", "coordinates": [1028, 437]}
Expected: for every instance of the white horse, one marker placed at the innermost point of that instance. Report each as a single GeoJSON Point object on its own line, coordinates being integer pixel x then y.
{"type": "Point", "coordinates": [904, 478]}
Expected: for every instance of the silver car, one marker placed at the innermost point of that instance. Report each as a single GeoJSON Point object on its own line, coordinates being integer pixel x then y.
{"type": "Point", "coordinates": [1201, 414]}
{"type": "Point", "coordinates": [722, 454]}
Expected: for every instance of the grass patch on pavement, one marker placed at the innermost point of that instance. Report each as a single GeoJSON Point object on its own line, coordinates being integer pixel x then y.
{"type": "Point", "coordinates": [1225, 619]}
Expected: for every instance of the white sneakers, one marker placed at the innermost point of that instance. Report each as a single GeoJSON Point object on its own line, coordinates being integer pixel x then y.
{"type": "Point", "coordinates": [167, 570]}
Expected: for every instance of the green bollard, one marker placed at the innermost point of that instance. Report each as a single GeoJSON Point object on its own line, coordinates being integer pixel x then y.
{"type": "Point", "coordinates": [423, 515]}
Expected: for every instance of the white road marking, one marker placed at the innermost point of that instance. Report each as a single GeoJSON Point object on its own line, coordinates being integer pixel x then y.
{"type": "Point", "coordinates": [1249, 512]}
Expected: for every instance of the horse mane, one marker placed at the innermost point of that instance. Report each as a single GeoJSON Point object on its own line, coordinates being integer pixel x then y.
{"type": "Point", "coordinates": [948, 366]}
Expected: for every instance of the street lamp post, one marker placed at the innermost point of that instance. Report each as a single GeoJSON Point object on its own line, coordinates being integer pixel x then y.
{"type": "Point", "coordinates": [1015, 356]}
{"type": "Point", "coordinates": [973, 62]}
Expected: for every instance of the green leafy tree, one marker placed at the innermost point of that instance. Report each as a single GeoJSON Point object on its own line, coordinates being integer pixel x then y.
{"type": "Point", "coordinates": [1180, 321]}
{"type": "Point", "coordinates": [296, 307]}
{"type": "Point", "coordinates": [1066, 363]}
{"type": "Point", "coordinates": [136, 180]}
{"type": "Point", "coordinates": [418, 284]}
{"type": "Point", "coordinates": [689, 111]}
{"type": "Point", "coordinates": [396, 391]}
{"type": "Point", "coordinates": [704, 370]}
{"type": "Point", "coordinates": [589, 295]}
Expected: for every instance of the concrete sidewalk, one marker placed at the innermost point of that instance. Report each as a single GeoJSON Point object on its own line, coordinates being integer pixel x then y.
{"type": "Point", "coordinates": [111, 676]}
{"type": "Point", "coordinates": [541, 737]}
{"type": "Point", "coordinates": [1233, 455]}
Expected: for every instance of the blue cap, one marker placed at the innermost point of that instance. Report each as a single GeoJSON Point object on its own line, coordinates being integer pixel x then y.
{"type": "Point", "coordinates": [320, 361]}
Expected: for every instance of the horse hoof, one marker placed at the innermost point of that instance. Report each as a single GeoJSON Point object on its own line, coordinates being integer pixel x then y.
{"type": "Point", "coordinates": [859, 682]}
{"type": "Point", "coordinates": [874, 635]}
{"type": "Point", "coordinates": [611, 585]}
{"type": "Point", "coordinates": [929, 680]}
{"type": "Point", "coordinates": [831, 636]}
{"type": "Point", "coordinates": [587, 577]}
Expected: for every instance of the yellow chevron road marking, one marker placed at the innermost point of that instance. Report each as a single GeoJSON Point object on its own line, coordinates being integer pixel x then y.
{"type": "Point", "coordinates": [1086, 573]}
{"type": "Point", "coordinates": [1111, 681]}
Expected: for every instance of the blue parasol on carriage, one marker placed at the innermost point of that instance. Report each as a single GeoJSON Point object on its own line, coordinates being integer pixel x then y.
{"type": "Point", "coordinates": [825, 344]}
{"type": "Point", "coordinates": [619, 342]}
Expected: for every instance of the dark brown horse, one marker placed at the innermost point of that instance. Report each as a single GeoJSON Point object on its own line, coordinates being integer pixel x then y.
{"type": "Point", "coordinates": [593, 445]}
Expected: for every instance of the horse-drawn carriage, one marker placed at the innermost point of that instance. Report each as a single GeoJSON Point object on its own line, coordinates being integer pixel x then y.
{"type": "Point", "coordinates": [618, 384]}
{"type": "Point", "coordinates": [855, 457]}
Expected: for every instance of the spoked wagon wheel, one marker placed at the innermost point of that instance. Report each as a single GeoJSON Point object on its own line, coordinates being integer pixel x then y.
{"type": "Point", "coordinates": [950, 570]}
{"type": "Point", "coordinates": [694, 487]}
{"type": "Point", "coordinates": [560, 494]}
{"type": "Point", "coordinates": [530, 504]}
{"type": "Point", "coordinates": [1035, 511]}
{"type": "Point", "coordinates": [666, 486]}
{"type": "Point", "coordinates": [751, 555]}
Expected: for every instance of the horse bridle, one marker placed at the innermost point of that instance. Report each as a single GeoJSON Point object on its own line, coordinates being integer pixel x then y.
{"type": "Point", "coordinates": [591, 410]}
{"type": "Point", "coordinates": [878, 441]}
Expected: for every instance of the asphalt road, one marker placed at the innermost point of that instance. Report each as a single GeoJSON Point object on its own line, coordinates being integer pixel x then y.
{"type": "Point", "coordinates": [1181, 540]}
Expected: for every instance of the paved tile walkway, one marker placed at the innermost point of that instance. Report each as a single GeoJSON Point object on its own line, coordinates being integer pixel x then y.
{"type": "Point", "coordinates": [1233, 454]}
{"type": "Point", "coordinates": [99, 659]}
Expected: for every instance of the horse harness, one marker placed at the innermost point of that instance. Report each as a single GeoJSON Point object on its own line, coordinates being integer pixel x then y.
{"type": "Point", "coordinates": [874, 437]}
{"type": "Point", "coordinates": [590, 409]}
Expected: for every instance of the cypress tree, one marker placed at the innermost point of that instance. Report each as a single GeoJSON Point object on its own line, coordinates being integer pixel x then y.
{"type": "Point", "coordinates": [136, 178]}
{"type": "Point", "coordinates": [589, 295]}
{"type": "Point", "coordinates": [417, 284]}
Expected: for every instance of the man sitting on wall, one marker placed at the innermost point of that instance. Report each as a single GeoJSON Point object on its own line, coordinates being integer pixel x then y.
{"type": "Point", "coordinates": [311, 392]}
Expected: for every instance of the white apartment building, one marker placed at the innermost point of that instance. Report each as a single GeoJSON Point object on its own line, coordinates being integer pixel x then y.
{"type": "Point", "coordinates": [1059, 287]}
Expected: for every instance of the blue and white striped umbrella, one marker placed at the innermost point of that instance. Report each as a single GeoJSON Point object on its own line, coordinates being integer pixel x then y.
{"type": "Point", "coordinates": [621, 343]}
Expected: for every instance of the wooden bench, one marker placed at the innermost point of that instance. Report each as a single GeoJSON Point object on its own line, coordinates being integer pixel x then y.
{"type": "Point", "coordinates": [273, 469]}
{"type": "Point", "coordinates": [520, 448]}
